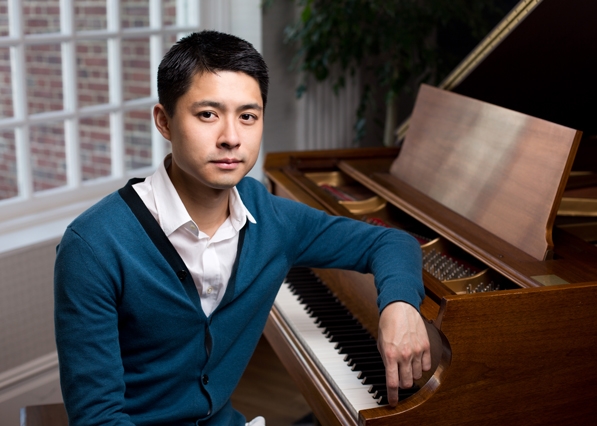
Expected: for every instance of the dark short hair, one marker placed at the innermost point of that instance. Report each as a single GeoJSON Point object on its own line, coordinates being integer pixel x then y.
{"type": "Point", "coordinates": [207, 51]}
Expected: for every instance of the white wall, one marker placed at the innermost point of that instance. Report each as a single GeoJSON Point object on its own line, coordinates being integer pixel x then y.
{"type": "Point", "coordinates": [320, 119]}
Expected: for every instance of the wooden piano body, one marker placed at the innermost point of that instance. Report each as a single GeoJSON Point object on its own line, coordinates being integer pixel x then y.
{"type": "Point", "coordinates": [483, 183]}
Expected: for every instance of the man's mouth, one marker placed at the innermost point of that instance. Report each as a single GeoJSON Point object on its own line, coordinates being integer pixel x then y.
{"type": "Point", "coordinates": [227, 163]}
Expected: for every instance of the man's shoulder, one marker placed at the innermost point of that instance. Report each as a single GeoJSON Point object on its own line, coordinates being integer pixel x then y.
{"type": "Point", "coordinates": [107, 212]}
{"type": "Point", "coordinates": [251, 191]}
{"type": "Point", "coordinates": [255, 195]}
{"type": "Point", "coordinates": [250, 184]}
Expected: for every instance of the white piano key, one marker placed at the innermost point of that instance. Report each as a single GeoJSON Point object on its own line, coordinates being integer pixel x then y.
{"type": "Point", "coordinates": [333, 364]}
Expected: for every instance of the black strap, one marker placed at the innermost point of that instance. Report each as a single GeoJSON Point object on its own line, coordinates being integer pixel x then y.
{"type": "Point", "coordinates": [160, 239]}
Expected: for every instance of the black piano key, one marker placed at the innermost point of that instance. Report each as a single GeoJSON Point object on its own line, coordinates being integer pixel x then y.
{"type": "Point", "coordinates": [343, 329]}
{"type": "Point", "coordinates": [362, 357]}
{"type": "Point", "coordinates": [356, 350]}
{"type": "Point", "coordinates": [363, 371]}
{"type": "Point", "coordinates": [330, 315]}
{"type": "Point", "coordinates": [352, 332]}
{"type": "Point", "coordinates": [371, 364]}
{"type": "Point", "coordinates": [374, 379]}
{"type": "Point", "coordinates": [360, 343]}
{"type": "Point", "coordinates": [354, 359]}
{"type": "Point", "coordinates": [331, 329]}
{"type": "Point", "coordinates": [402, 394]}
{"type": "Point", "coordinates": [340, 337]}
{"type": "Point", "coordinates": [339, 321]}
{"type": "Point", "coordinates": [358, 347]}
{"type": "Point", "coordinates": [359, 351]}
{"type": "Point", "coordinates": [315, 299]}
{"type": "Point", "coordinates": [380, 390]}
{"type": "Point", "coordinates": [324, 309]}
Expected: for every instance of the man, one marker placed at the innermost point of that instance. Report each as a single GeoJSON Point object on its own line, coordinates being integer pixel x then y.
{"type": "Point", "coordinates": [163, 288]}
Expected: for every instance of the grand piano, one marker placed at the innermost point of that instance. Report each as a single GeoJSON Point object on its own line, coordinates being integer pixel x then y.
{"type": "Point", "coordinates": [487, 161]}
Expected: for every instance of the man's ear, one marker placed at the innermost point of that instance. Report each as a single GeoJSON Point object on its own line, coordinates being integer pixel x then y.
{"type": "Point", "coordinates": [162, 121]}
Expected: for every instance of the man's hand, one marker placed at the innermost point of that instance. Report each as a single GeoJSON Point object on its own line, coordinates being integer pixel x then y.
{"type": "Point", "coordinates": [404, 347]}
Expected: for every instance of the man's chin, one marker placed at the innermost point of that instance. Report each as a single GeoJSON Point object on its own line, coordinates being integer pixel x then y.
{"type": "Point", "coordinates": [224, 184]}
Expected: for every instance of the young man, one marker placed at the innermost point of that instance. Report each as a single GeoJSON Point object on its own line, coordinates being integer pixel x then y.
{"type": "Point", "coordinates": [163, 288]}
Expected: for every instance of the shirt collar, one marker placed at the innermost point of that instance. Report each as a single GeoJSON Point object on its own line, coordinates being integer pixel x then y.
{"type": "Point", "coordinates": [171, 211]}
{"type": "Point", "coordinates": [238, 211]}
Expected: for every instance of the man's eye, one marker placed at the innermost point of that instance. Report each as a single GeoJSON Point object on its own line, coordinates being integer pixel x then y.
{"type": "Point", "coordinates": [247, 117]}
{"type": "Point", "coordinates": [206, 114]}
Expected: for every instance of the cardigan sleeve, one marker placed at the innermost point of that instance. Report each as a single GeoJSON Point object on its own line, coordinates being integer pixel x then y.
{"type": "Point", "coordinates": [391, 255]}
{"type": "Point", "coordinates": [86, 327]}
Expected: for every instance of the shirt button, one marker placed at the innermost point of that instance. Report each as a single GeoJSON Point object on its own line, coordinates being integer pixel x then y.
{"type": "Point", "coordinates": [209, 290]}
{"type": "Point", "coordinates": [205, 379]}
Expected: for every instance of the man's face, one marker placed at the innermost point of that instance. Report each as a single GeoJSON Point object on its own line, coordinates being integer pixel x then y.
{"type": "Point", "coordinates": [216, 129]}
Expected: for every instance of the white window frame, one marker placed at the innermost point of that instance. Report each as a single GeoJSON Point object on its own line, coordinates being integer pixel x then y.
{"type": "Point", "coordinates": [31, 216]}
{"type": "Point", "coordinates": [15, 211]}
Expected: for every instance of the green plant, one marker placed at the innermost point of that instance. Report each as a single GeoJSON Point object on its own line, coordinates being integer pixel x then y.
{"type": "Point", "coordinates": [398, 41]}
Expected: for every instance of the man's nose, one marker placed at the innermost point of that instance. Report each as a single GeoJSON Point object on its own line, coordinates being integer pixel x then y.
{"type": "Point", "coordinates": [229, 137]}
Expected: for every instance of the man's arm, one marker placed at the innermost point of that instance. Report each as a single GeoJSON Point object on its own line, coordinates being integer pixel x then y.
{"type": "Point", "coordinates": [404, 347]}
{"type": "Point", "coordinates": [86, 323]}
{"type": "Point", "coordinates": [395, 259]}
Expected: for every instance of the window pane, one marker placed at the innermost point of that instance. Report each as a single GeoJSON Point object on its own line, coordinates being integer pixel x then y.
{"type": "Point", "coordinates": [3, 18]}
{"type": "Point", "coordinates": [44, 78]}
{"type": "Point", "coordinates": [94, 137]}
{"type": "Point", "coordinates": [169, 41]}
{"type": "Point", "coordinates": [41, 16]}
{"type": "Point", "coordinates": [134, 13]}
{"type": "Point", "coordinates": [137, 138]}
{"type": "Point", "coordinates": [136, 68]}
{"type": "Point", "coordinates": [92, 73]}
{"type": "Point", "coordinates": [90, 15]}
{"type": "Point", "coordinates": [48, 160]}
{"type": "Point", "coordinates": [5, 84]}
{"type": "Point", "coordinates": [8, 165]}
{"type": "Point", "coordinates": [169, 12]}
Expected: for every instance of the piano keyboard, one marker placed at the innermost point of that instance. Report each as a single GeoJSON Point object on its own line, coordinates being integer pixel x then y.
{"type": "Point", "coordinates": [345, 351]}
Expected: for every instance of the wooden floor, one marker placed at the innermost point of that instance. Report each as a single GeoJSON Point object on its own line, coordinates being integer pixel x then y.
{"type": "Point", "coordinates": [267, 390]}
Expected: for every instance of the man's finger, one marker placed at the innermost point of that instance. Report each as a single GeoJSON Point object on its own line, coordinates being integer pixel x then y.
{"type": "Point", "coordinates": [406, 375]}
{"type": "Point", "coordinates": [417, 368]}
{"type": "Point", "coordinates": [392, 381]}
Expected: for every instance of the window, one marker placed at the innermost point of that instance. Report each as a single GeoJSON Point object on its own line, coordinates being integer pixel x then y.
{"type": "Point", "coordinates": [77, 84]}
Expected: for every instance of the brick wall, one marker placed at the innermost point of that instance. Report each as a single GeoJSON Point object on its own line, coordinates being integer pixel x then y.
{"type": "Point", "coordinates": [45, 92]}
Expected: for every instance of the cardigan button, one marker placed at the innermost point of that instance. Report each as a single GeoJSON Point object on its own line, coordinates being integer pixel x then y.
{"type": "Point", "coordinates": [205, 379]}
{"type": "Point", "coordinates": [182, 274]}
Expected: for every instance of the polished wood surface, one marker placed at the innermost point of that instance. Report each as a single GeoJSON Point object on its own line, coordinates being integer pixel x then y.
{"type": "Point", "coordinates": [521, 355]}
{"type": "Point", "coordinates": [500, 169]}
{"type": "Point", "coordinates": [513, 361]}
{"type": "Point", "coordinates": [495, 252]}
{"type": "Point", "coordinates": [44, 415]}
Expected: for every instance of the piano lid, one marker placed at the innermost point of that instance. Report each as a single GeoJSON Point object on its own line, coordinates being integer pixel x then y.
{"type": "Point", "coordinates": [540, 60]}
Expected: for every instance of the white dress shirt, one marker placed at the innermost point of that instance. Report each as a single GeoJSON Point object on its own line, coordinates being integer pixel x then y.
{"type": "Point", "coordinates": [209, 260]}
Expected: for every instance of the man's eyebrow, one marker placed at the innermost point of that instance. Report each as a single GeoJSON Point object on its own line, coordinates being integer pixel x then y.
{"type": "Point", "coordinates": [212, 104]}
{"type": "Point", "coordinates": [250, 106]}
{"type": "Point", "coordinates": [221, 106]}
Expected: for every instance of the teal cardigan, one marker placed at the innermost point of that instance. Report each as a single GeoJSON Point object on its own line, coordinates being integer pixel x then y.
{"type": "Point", "coordinates": [133, 342]}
